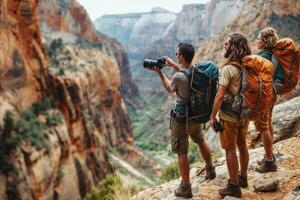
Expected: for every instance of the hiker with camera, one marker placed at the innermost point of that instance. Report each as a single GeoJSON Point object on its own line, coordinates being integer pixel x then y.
{"type": "Point", "coordinates": [234, 129]}
{"type": "Point", "coordinates": [182, 124]}
{"type": "Point", "coordinates": [285, 58]}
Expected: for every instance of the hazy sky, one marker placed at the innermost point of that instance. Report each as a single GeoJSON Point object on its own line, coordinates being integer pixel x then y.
{"type": "Point", "coordinates": [96, 8]}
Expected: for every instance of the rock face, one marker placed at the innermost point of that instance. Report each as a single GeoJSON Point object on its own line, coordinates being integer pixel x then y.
{"type": "Point", "coordinates": [58, 151]}
{"type": "Point", "coordinates": [68, 20]}
{"type": "Point", "coordinates": [195, 24]}
{"type": "Point", "coordinates": [283, 16]}
{"type": "Point", "coordinates": [23, 63]}
{"type": "Point", "coordinates": [293, 194]}
{"type": "Point", "coordinates": [136, 31]}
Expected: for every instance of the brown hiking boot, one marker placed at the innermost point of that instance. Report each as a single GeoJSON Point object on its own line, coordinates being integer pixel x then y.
{"type": "Point", "coordinates": [267, 166]}
{"type": "Point", "coordinates": [232, 189]}
{"type": "Point", "coordinates": [184, 190]}
{"type": "Point", "coordinates": [243, 181]}
{"type": "Point", "coordinates": [260, 162]}
{"type": "Point", "coordinates": [210, 172]}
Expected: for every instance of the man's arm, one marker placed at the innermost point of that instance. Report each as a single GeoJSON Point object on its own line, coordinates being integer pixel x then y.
{"type": "Point", "coordinates": [217, 104]}
{"type": "Point", "coordinates": [171, 63]}
{"type": "Point", "coordinates": [166, 82]}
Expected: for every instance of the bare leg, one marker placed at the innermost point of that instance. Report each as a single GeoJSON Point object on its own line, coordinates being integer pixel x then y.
{"type": "Point", "coordinates": [184, 167]}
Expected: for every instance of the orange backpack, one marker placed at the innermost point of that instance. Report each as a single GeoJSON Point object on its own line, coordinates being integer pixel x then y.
{"type": "Point", "coordinates": [256, 92]}
{"type": "Point", "coordinates": [288, 56]}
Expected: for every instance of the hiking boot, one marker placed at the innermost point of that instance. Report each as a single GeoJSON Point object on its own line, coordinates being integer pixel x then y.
{"type": "Point", "coordinates": [184, 190]}
{"type": "Point", "coordinates": [267, 166]}
{"type": "Point", "coordinates": [243, 181]}
{"type": "Point", "coordinates": [210, 172]}
{"type": "Point", "coordinates": [260, 162]}
{"type": "Point", "coordinates": [232, 189]}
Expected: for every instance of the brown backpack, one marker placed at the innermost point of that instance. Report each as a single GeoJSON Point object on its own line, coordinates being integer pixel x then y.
{"type": "Point", "coordinates": [256, 92]}
{"type": "Point", "coordinates": [288, 56]}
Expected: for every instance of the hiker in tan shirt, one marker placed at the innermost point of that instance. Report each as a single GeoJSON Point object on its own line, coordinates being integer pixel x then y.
{"type": "Point", "coordinates": [234, 129]}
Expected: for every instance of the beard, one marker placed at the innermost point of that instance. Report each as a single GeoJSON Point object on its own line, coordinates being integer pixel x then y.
{"type": "Point", "coordinates": [227, 53]}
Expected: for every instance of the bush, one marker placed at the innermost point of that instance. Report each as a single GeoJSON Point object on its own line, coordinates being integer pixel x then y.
{"type": "Point", "coordinates": [151, 145]}
{"type": "Point", "coordinates": [107, 188]}
{"type": "Point", "coordinates": [8, 124]}
{"type": "Point", "coordinates": [8, 143]}
{"type": "Point", "coordinates": [60, 72]}
{"type": "Point", "coordinates": [28, 128]}
{"type": "Point", "coordinates": [170, 172]}
{"type": "Point", "coordinates": [56, 43]}
{"type": "Point", "coordinates": [54, 120]}
{"type": "Point", "coordinates": [122, 150]}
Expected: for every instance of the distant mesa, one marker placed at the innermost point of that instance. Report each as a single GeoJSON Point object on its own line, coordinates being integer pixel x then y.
{"type": "Point", "coordinates": [159, 10]}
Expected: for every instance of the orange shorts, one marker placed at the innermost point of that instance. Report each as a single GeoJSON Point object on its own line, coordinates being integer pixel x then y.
{"type": "Point", "coordinates": [264, 123]}
{"type": "Point", "coordinates": [233, 134]}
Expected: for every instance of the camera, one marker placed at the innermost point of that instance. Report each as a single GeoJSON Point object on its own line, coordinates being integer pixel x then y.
{"type": "Point", "coordinates": [151, 64]}
{"type": "Point", "coordinates": [218, 127]}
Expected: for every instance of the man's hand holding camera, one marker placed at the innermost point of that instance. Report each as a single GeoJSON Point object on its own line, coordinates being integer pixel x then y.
{"type": "Point", "coordinates": [157, 65]}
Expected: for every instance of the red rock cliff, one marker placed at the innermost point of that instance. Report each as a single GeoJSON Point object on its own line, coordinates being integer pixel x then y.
{"type": "Point", "coordinates": [57, 17]}
{"type": "Point", "coordinates": [86, 89]}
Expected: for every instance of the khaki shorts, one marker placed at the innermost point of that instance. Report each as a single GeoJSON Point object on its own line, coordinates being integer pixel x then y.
{"type": "Point", "coordinates": [264, 123]}
{"type": "Point", "coordinates": [179, 137]}
{"type": "Point", "coordinates": [234, 134]}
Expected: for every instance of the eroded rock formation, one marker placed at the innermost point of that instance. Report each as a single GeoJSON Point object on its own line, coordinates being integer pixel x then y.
{"type": "Point", "coordinates": [58, 151]}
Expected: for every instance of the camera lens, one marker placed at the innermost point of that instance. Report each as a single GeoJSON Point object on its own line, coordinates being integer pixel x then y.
{"type": "Point", "coordinates": [150, 64]}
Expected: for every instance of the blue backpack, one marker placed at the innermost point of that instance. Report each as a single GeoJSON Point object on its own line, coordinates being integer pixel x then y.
{"type": "Point", "coordinates": [203, 89]}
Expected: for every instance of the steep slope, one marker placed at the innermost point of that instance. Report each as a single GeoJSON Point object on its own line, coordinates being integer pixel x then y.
{"type": "Point", "coordinates": [68, 20]}
{"type": "Point", "coordinates": [44, 151]}
{"type": "Point", "coordinates": [59, 116]}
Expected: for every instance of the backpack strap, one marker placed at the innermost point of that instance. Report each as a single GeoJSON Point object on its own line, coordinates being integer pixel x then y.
{"type": "Point", "coordinates": [188, 74]}
{"type": "Point", "coordinates": [234, 63]}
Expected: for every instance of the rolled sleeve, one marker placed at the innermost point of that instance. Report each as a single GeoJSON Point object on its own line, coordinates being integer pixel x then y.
{"type": "Point", "coordinates": [225, 76]}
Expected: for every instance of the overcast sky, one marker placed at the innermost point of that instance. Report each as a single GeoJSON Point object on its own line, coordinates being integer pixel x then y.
{"type": "Point", "coordinates": [96, 8]}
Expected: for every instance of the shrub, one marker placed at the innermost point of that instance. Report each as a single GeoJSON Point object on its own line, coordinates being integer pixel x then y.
{"type": "Point", "coordinates": [170, 172]}
{"type": "Point", "coordinates": [42, 106]}
{"type": "Point", "coordinates": [8, 124]}
{"type": "Point", "coordinates": [122, 150]}
{"type": "Point", "coordinates": [107, 188]}
{"type": "Point", "coordinates": [28, 128]}
{"type": "Point", "coordinates": [54, 120]}
{"type": "Point", "coordinates": [56, 43]}
{"type": "Point", "coordinates": [151, 145]}
{"type": "Point", "coordinates": [60, 72]}
{"type": "Point", "coordinates": [8, 143]}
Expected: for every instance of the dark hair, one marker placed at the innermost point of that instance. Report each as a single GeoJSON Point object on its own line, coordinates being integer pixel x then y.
{"type": "Point", "coordinates": [241, 47]}
{"type": "Point", "coordinates": [187, 51]}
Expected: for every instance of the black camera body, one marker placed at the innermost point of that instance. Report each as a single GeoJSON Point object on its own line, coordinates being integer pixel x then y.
{"type": "Point", "coordinates": [218, 127]}
{"type": "Point", "coordinates": [151, 64]}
